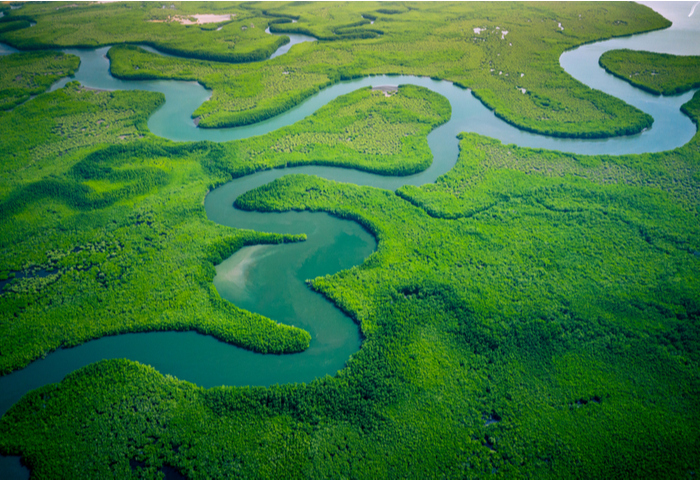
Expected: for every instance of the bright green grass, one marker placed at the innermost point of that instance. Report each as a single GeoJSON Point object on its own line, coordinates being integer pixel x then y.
{"type": "Point", "coordinates": [26, 74]}
{"type": "Point", "coordinates": [654, 72]}
{"type": "Point", "coordinates": [64, 190]}
{"type": "Point", "coordinates": [569, 311]}
{"type": "Point", "coordinates": [363, 130]}
{"type": "Point", "coordinates": [240, 39]}
{"type": "Point", "coordinates": [428, 39]}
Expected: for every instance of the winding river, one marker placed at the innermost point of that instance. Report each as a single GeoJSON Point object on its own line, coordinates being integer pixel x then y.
{"type": "Point", "coordinates": [248, 277]}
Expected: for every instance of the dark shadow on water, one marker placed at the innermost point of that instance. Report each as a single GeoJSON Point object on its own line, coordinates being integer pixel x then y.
{"type": "Point", "coordinates": [171, 473]}
{"type": "Point", "coordinates": [11, 467]}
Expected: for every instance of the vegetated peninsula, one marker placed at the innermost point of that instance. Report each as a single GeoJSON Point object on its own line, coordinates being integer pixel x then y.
{"type": "Point", "coordinates": [659, 73]}
{"type": "Point", "coordinates": [528, 314]}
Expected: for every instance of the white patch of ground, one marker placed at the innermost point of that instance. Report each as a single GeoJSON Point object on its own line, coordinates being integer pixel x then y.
{"type": "Point", "coordinates": [388, 90]}
{"type": "Point", "coordinates": [198, 19]}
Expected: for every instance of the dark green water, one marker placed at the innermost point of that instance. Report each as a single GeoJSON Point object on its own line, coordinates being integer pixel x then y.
{"type": "Point", "coordinates": [251, 277]}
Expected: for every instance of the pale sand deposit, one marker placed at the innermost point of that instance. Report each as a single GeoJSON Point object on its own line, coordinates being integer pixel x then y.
{"type": "Point", "coordinates": [388, 90]}
{"type": "Point", "coordinates": [199, 19]}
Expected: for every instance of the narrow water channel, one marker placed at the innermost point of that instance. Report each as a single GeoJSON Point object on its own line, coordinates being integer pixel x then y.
{"type": "Point", "coordinates": [332, 244]}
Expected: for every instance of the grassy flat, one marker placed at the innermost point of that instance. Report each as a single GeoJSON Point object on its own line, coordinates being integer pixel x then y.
{"type": "Point", "coordinates": [25, 74]}
{"type": "Point", "coordinates": [516, 49]}
{"type": "Point", "coordinates": [658, 73]}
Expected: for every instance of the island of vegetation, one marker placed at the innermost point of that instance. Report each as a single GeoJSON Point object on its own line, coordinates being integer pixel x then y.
{"type": "Point", "coordinates": [531, 314]}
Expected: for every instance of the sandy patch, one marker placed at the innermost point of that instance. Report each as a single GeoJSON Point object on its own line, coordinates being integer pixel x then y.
{"type": "Point", "coordinates": [388, 90]}
{"type": "Point", "coordinates": [236, 269]}
{"type": "Point", "coordinates": [198, 19]}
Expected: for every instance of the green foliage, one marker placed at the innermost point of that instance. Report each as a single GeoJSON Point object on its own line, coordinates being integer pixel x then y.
{"type": "Point", "coordinates": [65, 190]}
{"type": "Point", "coordinates": [363, 130]}
{"type": "Point", "coordinates": [41, 137]}
{"type": "Point", "coordinates": [563, 295]}
{"type": "Point", "coordinates": [435, 40]}
{"type": "Point", "coordinates": [489, 342]}
{"type": "Point", "coordinates": [14, 25]}
{"type": "Point", "coordinates": [241, 39]}
{"type": "Point", "coordinates": [328, 22]}
{"type": "Point", "coordinates": [658, 73]}
{"type": "Point", "coordinates": [242, 94]}
{"type": "Point", "coordinates": [532, 314]}
{"type": "Point", "coordinates": [26, 74]}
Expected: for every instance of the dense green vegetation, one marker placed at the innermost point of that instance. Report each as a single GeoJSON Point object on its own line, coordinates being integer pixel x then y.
{"type": "Point", "coordinates": [654, 72]}
{"type": "Point", "coordinates": [241, 39]}
{"type": "Point", "coordinates": [363, 130]}
{"type": "Point", "coordinates": [90, 196]}
{"type": "Point", "coordinates": [555, 334]}
{"type": "Point", "coordinates": [516, 50]}
{"type": "Point", "coordinates": [532, 314]}
{"type": "Point", "coordinates": [26, 74]}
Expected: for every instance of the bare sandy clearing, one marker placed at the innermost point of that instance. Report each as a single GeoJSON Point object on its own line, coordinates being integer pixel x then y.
{"type": "Point", "coordinates": [198, 19]}
{"type": "Point", "coordinates": [388, 90]}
